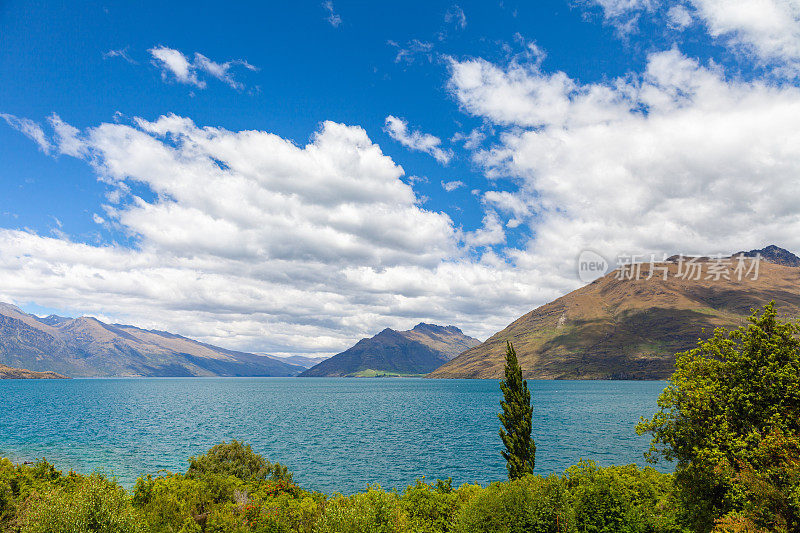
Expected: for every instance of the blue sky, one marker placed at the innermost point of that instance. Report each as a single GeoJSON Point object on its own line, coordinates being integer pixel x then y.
{"type": "Point", "coordinates": [622, 126]}
{"type": "Point", "coordinates": [309, 71]}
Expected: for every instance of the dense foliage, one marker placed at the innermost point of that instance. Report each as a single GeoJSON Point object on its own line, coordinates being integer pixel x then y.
{"type": "Point", "coordinates": [516, 417]}
{"type": "Point", "coordinates": [232, 492]}
{"type": "Point", "coordinates": [730, 417]}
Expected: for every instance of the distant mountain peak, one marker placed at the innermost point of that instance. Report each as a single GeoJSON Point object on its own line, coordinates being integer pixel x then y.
{"type": "Point", "coordinates": [774, 254]}
{"type": "Point", "coordinates": [10, 307]}
{"type": "Point", "coordinates": [424, 326]}
{"type": "Point", "coordinates": [54, 320]}
{"type": "Point", "coordinates": [415, 351]}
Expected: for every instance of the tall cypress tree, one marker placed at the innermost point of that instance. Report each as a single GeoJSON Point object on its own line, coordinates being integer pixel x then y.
{"type": "Point", "coordinates": [520, 452]}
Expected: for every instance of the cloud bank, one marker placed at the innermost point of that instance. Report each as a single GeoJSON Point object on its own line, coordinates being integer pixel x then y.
{"type": "Point", "coordinates": [677, 158]}
{"type": "Point", "coordinates": [251, 241]}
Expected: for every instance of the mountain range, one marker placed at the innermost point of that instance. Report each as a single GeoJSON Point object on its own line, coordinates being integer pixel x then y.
{"type": "Point", "coordinates": [87, 347]}
{"type": "Point", "coordinates": [417, 351]}
{"type": "Point", "coordinates": [620, 328]}
{"type": "Point", "coordinates": [617, 327]}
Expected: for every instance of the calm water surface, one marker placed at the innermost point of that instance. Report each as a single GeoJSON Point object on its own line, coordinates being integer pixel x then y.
{"type": "Point", "coordinates": [335, 434]}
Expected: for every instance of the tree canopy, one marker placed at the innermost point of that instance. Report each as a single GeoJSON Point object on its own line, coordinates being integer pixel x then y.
{"type": "Point", "coordinates": [731, 405]}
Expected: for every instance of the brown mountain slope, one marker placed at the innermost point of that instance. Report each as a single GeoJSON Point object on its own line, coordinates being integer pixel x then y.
{"type": "Point", "coordinates": [7, 372]}
{"type": "Point", "coordinates": [627, 329]}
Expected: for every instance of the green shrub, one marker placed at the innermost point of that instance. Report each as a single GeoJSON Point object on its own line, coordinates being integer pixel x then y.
{"type": "Point", "coordinates": [169, 503]}
{"type": "Point", "coordinates": [430, 509]}
{"type": "Point", "coordinates": [373, 511]}
{"type": "Point", "coordinates": [769, 485]}
{"type": "Point", "coordinates": [238, 460]}
{"type": "Point", "coordinates": [232, 490]}
{"type": "Point", "coordinates": [9, 492]}
{"type": "Point", "coordinates": [95, 504]}
{"type": "Point", "coordinates": [17, 482]}
{"type": "Point", "coordinates": [283, 511]}
{"type": "Point", "coordinates": [529, 504]}
{"type": "Point", "coordinates": [620, 499]}
{"type": "Point", "coordinates": [729, 394]}
{"type": "Point", "coordinates": [229, 488]}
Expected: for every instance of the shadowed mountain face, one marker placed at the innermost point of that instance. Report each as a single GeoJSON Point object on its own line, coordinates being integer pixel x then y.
{"type": "Point", "coordinates": [86, 347]}
{"type": "Point", "coordinates": [632, 328]}
{"type": "Point", "coordinates": [417, 351]}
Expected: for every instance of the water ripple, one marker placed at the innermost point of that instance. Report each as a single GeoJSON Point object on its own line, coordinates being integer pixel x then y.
{"type": "Point", "coordinates": [334, 434]}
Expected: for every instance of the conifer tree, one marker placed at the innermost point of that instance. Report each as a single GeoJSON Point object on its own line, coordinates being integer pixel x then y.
{"type": "Point", "coordinates": [516, 418]}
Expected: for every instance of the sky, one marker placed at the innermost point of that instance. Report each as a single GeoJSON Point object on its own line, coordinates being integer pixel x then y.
{"type": "Point", "coordinates": [289, 177]}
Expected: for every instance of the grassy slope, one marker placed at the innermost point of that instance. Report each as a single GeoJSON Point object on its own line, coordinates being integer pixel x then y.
{"type": "Point", "coordinates": [7, 372]}
{"type": "Point", "coordinates": [371, 373]}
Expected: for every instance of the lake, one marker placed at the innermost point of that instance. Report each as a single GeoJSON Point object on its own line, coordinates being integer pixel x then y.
{"type": "Point", "coordinates": [334, 434]}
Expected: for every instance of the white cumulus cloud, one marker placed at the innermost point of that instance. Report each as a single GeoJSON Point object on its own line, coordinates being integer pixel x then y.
{"type": "Point", "coordinates": [769, 29]}
{"type": "Point", "coordinates": [765, 31]}
{"type": "Point", "coordinates": [676, 158]}
{"type": "Point", "coordinates": [253, 242]}
{"type": "Point", "coordinates": [679, 17]}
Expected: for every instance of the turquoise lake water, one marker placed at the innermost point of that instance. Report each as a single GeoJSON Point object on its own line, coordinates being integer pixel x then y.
{"type": "Point", "coordinates": [335, 434]}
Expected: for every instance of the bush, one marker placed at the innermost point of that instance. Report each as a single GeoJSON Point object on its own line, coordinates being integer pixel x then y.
{"type": "Point", "coordinates": [14, 487]}
{"type": "Point", "coordinates": [229, 488]}
{"type": "Point", "coordinates": [529, 504]}
{"type": "Point", "coordinates": [95, 505]}
{"type": "Point", "coordinates": [232, 490]}
{"type": "Point", "coordinates": [373, 511]}
{"type": "Point", "coordinates": [430, 509]}
{"type": "Point", "coordinates": [769, 484]}
{"type": "Point", "coordinates": [621, 499]}
{"type": "Point", "coordinates": [287, 510]}
{"type": "Point", "coordinates": [238, 460]}
{"type": "Point", "coordinates": [171, 503]}
{"type": "Point", "coordinates": [19, 482]}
